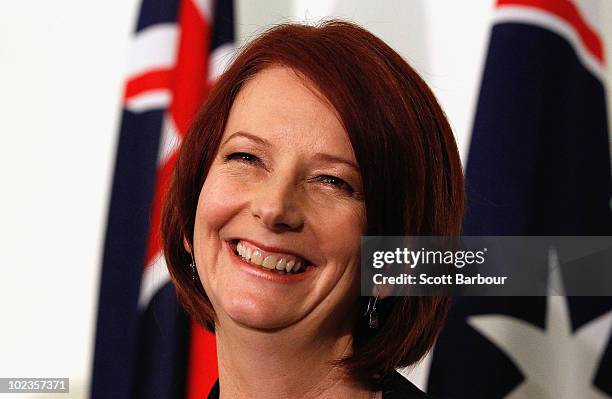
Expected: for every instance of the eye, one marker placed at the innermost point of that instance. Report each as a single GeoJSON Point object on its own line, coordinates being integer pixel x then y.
{"type": "Point", "coordinates": [243, 157]}
{"type": "Point", "coordinates": [336, 182]}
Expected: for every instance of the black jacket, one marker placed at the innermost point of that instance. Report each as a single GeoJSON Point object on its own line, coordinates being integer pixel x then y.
{"type": "Point", "coordinates": [394, 386]}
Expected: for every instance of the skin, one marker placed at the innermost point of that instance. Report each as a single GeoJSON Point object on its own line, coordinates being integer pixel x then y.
{"type": "Point", "coordinates": [285, 176]}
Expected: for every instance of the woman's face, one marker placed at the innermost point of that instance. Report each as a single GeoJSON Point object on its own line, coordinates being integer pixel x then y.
{"type": "Point", "coordinates": [284, 190]}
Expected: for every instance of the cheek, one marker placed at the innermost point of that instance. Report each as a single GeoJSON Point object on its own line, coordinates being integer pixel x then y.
{"type": "Point", "coordinates": [341, 234]}
{"type": "Point", "coordinates": [219, 201]}
{"type": "Point", "coordinates": [217, 204]}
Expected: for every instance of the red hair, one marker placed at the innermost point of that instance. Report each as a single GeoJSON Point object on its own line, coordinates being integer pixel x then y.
{"type": "Point", "coordinates": [408, 158]}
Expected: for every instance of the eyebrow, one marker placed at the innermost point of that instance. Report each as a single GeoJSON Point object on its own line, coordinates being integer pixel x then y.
{"type": "Point", "coordinates": [320, 156]}
{"type": "Point", "coordinates": [336, 159]}
{"type": "Point", "coordinates": [249, 136]}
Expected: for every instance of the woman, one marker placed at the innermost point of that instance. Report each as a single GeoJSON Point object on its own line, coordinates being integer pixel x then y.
{"type": "Point", "coordinates": [313, 137]}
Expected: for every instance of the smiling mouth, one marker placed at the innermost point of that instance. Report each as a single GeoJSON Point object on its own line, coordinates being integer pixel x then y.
{"type": "Point", "coordinates": [278, 263]}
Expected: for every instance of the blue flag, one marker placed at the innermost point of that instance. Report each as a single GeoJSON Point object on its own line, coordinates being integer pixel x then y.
{"type": "Point", "coordinates": [539, 164]}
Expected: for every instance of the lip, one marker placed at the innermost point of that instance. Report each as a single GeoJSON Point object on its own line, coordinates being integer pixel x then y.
{"type": "Point", "coordinates": [263, 273]}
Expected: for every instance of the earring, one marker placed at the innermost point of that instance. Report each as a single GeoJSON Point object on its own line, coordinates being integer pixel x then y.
{"type": "Point", "coordinates": [193, 268]}
{"type": "Point", "coordinates": [372, 313]}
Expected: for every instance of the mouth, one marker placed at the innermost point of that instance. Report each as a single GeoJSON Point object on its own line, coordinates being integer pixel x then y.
{"type": "Point", "coordinates": [273, 261]}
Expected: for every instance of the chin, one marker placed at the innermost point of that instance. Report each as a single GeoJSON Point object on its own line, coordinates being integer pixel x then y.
{"type": "Point", "coordinates": [259, 313]}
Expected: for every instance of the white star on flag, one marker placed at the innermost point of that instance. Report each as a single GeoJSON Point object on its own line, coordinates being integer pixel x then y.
{"type": "Point", "coordinates": [557, 363]}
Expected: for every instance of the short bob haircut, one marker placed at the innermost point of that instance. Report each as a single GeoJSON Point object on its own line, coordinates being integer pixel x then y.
{"type": "Point", "coordinates": [407, 155]}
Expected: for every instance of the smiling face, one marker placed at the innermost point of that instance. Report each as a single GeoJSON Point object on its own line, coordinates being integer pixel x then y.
{"type": "Point", "coordinates": [284, 191]}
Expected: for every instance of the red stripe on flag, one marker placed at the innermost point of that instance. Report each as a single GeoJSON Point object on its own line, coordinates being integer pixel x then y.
{"type": "Point", "coordinates": [567, 11]}
{"type": "Point", "coordinates": [191, 86]}
{"type": "Point", "coordinates": [203, 370]}
{"type": "Point", "coordinates": [153, 80]}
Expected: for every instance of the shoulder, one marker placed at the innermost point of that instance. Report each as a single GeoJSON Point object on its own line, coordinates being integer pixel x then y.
{"type": "Point", "coordinates": [214, 391]}
{"type": "Point", "coordinates": [395, 386]}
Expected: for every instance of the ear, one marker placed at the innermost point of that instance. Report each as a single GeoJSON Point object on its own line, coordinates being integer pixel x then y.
{"type": "Point", "coordinates": [382, 291]}
{"type": "Point", "coordinates": [186, 244]}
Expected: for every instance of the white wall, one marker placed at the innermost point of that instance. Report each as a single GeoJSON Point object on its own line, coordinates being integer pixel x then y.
{"type": "Point", "coordinates": [61, 68]}
{"type": "Point", "coordinates": [61, 65]}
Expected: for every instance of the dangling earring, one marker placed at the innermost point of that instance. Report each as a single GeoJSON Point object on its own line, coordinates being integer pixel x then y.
{"type": "Point", "coordinates": [193, 268]}
{"type": "Point", "coordinates": [372, 313]}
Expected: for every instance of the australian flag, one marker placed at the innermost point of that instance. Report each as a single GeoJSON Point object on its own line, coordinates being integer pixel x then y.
{"type": "Point", "coordinates": [539, 164]}
{"type": "Point", "coordinates": [146, 347]}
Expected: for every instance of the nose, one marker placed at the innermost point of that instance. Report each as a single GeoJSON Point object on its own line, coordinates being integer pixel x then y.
{"type": "Point", "coordinates": [276, 204]}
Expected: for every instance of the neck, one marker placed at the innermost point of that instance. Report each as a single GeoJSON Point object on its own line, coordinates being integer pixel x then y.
{"type": "Point", "coordinates": [287, 363]}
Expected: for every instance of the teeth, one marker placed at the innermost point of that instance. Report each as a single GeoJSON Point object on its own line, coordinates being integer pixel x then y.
{"type": "Point", "coordinates": [289, 265]}
{"type": "Point", "coordinates": [243, 251]}
{"type": "Point", "coordinates": [269, 262]}
{"type": "Point", "coordinates": [257, 258]}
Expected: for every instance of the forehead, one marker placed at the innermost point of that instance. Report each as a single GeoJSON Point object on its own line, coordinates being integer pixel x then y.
{"type": "Point", "coordinates": [279, 104]}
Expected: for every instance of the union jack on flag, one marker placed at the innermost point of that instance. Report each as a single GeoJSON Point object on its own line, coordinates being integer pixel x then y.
{"type": "Point", "coordinates": [146, 347]}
